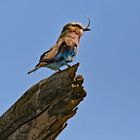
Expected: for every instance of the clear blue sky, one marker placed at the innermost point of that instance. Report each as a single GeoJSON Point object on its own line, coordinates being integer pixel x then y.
{"type": "Point", "coordinates": [109, 57]}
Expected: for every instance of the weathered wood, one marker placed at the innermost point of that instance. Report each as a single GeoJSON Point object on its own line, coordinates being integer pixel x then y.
{"type": "Point", "coordinates": [41, 113]}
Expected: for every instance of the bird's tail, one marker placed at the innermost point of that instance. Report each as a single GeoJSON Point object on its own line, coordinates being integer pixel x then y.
{"type": "Point", "coordinates": [34, 69]}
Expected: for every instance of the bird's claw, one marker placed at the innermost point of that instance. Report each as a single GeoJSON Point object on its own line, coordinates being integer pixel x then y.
{"type": "Point", "coordinates": [68, 65]}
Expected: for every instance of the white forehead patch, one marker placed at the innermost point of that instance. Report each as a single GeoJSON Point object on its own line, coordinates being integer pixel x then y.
{"type": "Point", "coordinates": [76, 23]}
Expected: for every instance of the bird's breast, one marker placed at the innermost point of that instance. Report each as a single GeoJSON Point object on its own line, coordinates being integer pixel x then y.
{"type": "Point", "coordinates": [72, 39]}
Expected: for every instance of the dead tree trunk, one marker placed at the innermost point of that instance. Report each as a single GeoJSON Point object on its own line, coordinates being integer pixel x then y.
{"type": "Point", "coordinates": [41, 113]}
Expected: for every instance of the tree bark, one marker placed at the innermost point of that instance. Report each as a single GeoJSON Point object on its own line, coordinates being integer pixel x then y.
{"type": "Point", "coordinates": [43, 110]}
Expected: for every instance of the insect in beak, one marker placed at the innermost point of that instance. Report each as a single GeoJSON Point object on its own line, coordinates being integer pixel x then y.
{"type": "Point", "coordinates": [87, 27]}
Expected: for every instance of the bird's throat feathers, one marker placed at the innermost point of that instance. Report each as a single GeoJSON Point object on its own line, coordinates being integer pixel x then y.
{"type": "Point", "coordinates": [71, 37]}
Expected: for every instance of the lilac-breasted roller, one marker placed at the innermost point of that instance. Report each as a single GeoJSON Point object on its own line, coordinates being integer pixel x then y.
{"type": "Point", "coordinates": [65, 49]}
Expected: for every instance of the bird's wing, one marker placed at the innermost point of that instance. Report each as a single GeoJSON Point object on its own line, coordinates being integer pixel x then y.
{"type": "Point", "coordinates": [50, 55]}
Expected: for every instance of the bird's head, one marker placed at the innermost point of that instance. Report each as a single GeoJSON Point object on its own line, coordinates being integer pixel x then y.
{"type": "Point", "coordinates": [78, 28]}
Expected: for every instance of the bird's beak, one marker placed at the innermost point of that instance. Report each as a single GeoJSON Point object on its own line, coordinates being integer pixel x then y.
{"type": "Point", "coordinates": [87, 27]}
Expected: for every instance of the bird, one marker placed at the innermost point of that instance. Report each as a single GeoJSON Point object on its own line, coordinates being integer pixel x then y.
{"type": "Point", "coordinates": [65, 49]}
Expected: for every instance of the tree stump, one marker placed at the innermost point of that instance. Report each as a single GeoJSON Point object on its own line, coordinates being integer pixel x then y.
{"type": "Point", "coordinates": [43, 110]}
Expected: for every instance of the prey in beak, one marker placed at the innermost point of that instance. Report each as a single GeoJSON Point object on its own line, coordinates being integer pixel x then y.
{"type": "Point", "coordinates": [87, 27]}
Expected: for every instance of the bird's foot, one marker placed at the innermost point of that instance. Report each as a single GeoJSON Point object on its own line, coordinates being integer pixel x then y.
{"type": "Point", "coordinates": [68, 65]}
